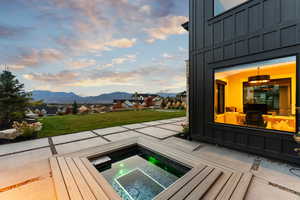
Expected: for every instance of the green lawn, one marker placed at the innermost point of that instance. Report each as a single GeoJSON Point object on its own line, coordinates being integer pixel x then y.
{"type": "Point", "coordinates": [59, 125]}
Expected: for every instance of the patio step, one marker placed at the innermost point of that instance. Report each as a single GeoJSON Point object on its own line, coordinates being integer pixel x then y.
{"type": "Point", "coordinates": [232, 186]}
{"type": "Point", "coordinates": [209, 183]}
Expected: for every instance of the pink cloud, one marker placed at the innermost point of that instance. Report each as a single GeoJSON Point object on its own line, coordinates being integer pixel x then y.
{"type": "Point", "coordinates": [82, 63]}
{"type": "Point", "coordinates": [170, 25]}
{"type": "Point", "coordinates": [34, 57]}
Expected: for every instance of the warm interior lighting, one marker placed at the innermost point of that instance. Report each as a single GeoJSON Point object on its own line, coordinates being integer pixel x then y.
{"type": "Point", "coordinates": [258, 79]}
{"type": "Point", "coordinates": [253, 96]}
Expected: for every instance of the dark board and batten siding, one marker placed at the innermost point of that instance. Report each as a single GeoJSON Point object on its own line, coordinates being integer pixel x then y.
{"type": "Point", "coordinates": [254, 31]}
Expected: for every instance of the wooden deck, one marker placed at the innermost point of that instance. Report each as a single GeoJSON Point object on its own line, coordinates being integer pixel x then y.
{"type": "Point", "coordinates": [75, 178]}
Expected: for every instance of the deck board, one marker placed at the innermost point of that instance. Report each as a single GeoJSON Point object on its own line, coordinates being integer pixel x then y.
{"type": "Point", "coordinates": [205, 185]}
{"type": "Point", "coordinates": [230, 187]}
{"type": "Point", "coordinates": [80, 181]}
{"type": "Point", "coordinates": [95, 187]}
{"type": "Point", "coordinates": [69, 181]}
{"type": "Point", "coordinates": [217, 187]}
{"type": "Point", "coordinates": [179, 184]}
{"type": "Point", "coordinates": [59, 183]}
{"type": "Point", "coordinates": [242, 187]}
{"type": "Point", "coordinates": [188, 188]}
{"type": "Point", "coordinates": [107, 188]}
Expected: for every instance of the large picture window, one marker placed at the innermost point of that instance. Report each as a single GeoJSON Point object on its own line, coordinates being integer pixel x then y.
{"type": "Point", "coordinates": [223, 5]}
{"type": "Point", "coordinates": [261, 95]}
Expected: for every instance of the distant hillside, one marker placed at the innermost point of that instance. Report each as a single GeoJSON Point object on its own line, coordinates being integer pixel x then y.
{"type": "Point", "coordinates": [55, 97]}
{"type": "Point", "coordinates": [64, 97]}
{"type": "Point", "coordinates": [167, 94]}
{"type": "Point", "coordinates": [107, 98]}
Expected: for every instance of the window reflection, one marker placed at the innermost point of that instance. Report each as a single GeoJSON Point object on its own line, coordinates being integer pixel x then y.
{"type": "Point", "coordinates": [257, 95]}
{"type": "Point", "coordinates": [223, 5]}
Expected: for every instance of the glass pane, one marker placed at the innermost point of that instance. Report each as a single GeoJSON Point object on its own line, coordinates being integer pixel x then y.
{"type": "Point", "coordinates": [261, 94]}
{"type": "Point", "coordinates": [223, 5]}
{"type": "Point", "coordinates": [139, 186]}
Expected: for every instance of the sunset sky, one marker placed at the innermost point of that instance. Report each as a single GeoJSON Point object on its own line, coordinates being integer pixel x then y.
{"type": "Point", "coordinates": [92, 47]}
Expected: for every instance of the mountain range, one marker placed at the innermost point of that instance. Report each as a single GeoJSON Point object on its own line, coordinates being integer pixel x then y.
{"type": "Point", "coordinates": [65, 97]}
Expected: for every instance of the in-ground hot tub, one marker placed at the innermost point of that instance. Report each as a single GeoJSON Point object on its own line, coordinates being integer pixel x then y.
{"type": "Point", "coordinates": [143, 168]}
{"type": "Point", "coordinates": [137, 173]}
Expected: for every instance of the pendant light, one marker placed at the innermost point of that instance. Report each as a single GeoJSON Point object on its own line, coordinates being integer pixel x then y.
{"type": "Point", "coordinates": [258, 79]}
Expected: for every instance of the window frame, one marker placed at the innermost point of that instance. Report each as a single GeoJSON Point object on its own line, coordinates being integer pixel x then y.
{"type": "Point", "coordinates": [223, 84]}
{"type": "Point", "coordinates": [297, 111]}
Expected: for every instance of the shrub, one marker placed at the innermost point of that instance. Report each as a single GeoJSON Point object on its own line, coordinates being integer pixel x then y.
{"type": "Point", "coordinates": [185, 128]}
{"type": "Point", "coordinates": [60, 113]}
{"type": "Point", "coordinates": [163, 104]}
{"type": "Point", "coordinates": [28, 130]}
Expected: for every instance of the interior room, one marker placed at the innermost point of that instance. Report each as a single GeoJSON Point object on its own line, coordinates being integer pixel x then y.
{"type": "Point", "coordinates": [261, 95]}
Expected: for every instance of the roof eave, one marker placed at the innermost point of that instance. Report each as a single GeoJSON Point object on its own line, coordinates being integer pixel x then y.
{"type": "Point", "coordinates": [186, 26]}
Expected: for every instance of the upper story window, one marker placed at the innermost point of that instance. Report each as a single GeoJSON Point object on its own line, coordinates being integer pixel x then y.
{"type": "Point", "coordinates": [223, 5]}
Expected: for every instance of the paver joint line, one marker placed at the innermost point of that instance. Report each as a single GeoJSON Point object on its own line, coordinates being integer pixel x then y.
{"type": "Point", "coordinates": [256, 164]}
{"type": "Point", "coordinates": [114, 132]}
{"type": "Point", "coordinates": [101, 136]}
{"type": "Point", "coordinates": [198, 147]}
{"type": "Point", "coordinates": [167, 129]}
{"type": "Point", "coordinates": [52, 146]}
{"type": "Point", "coordinates": [149, 126]}
{"type": "Point", "coordinates": [284, 188]}
{"type": "Point", "coordinates": [77, 140]}
{"type": "Point", "coordinates": [16, 152]}
{"type": "Point", "coordinates": [146, 134]}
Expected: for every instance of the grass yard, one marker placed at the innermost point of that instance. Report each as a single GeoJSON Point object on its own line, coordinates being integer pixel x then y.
{"type": "Point", "coordinates": [59, 125]}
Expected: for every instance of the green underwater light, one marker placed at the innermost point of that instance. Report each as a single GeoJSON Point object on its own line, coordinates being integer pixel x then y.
{"type": "Point", "coordinates": [122, 172]}
{"type": "Point", "coordinates": [153, 160]}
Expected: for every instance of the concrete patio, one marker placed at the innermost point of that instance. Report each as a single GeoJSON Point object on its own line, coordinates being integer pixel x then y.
{"type": "Point", "coordinates": [25, 172]}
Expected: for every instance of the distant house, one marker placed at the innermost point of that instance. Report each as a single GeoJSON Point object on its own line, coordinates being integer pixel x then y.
{"type": "Point", "coordinates": [182, 96]}
{"type": "Point", "coordinates": [132, 101]}
{"type": "Point", "coordinates": [30, 114]}
{"type": "Point", "coordinates": [128, 103]}
{"type": "Point", "coordinates": [142, 96]}
{"type": "Point", "coordinates": [158, 102]}
{"type": "Point", "coordinates": [45, 110]}
{"type": "Point", "coordinates": [138, 101]}
{"type": "Point", "coordinates": [118, 104]}
{"type": "Point", "coordinates": [83, 109]}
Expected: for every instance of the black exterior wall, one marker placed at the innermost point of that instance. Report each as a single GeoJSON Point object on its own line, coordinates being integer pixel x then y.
{"type": "Point", "coordinates": [253, 31]}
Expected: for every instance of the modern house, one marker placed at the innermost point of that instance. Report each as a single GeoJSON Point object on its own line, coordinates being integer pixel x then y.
{"type": "Point", "coordinates": [244, 74]}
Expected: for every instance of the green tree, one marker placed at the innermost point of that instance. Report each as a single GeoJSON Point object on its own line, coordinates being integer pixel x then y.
{"type": "Point", "coordinates": [163, 103]}
{"type": "Point", "coordinates": [135, 96]}
{"type": "Point", "coordinates": [75, 108]}
{"type": "Point", "coordinates": [13, 100]}
{"type": "Point", "coordinates": [36, 103]}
